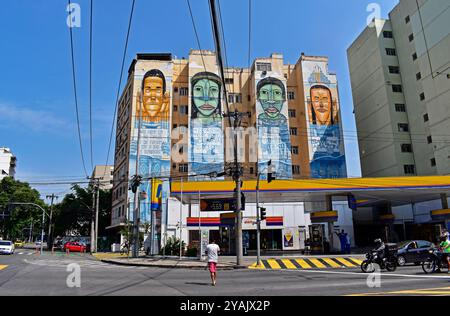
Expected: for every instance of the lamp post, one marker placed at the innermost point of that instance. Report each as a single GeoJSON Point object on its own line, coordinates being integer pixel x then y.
{"type": "Point", "coordinates": [43, 220]}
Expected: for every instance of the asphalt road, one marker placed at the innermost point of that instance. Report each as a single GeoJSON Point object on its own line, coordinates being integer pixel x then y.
{"type": "Point", "coordinates": [32, 275]}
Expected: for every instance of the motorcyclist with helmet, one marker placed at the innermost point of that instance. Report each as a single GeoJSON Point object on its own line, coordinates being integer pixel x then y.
{"type": "Point", "coordinates": [380, 248]}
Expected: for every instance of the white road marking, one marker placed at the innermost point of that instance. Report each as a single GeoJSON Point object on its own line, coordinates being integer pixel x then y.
{"type": "Point", "coordinates": [365, 275]}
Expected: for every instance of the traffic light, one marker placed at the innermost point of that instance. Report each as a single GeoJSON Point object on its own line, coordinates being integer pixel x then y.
{"type": "Point", "coordinates": [270, 175]}
{"type": "Point", "coordinates": [135, 183]}
{"type": "Point", "coordinates": [263, 213]}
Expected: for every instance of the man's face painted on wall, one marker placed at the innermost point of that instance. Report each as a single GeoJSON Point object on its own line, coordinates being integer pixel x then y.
{"type": "Point", "coordinates": [153, 96]}
{"type": "Point", "coordinates": [206, 96]}
{"type": "Point", "coordinates": [271, 98]}
{"type": "Point", "coordinates": [321, 103]}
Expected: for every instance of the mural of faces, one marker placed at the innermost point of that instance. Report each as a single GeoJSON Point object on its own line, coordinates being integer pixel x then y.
{"type": "Point", "coordinates": [272, 96]}
{"type": "Point", "coordinates": [155, 99]}
{"type": "Point", "coordinates": [206, 93]}
{"type": "Point", "coordinates": [321, 106]}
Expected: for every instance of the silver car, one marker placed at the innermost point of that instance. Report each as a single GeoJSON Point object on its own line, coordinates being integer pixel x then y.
{"type": "Point", "coordinates": [6, 247]}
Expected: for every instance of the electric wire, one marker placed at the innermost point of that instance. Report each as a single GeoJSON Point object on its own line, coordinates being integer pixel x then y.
{"type": "Point", "coordinates": [75, 92]}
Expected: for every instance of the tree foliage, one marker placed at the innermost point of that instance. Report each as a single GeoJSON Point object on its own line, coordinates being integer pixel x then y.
{"type": "Point", "coordinates": [19, 218]}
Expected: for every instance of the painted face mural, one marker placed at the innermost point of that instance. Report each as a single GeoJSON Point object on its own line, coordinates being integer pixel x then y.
{"type": "Point", "coordinates": [272, 96]}
{"type": "Point", "coordinates": [155, 99]}
{"type": "Point", "coordinates": [206, 95]}
{"type": "Point", "coordinates": [206, 149]}
{"type": "Point", "coordinates": [321, 105]}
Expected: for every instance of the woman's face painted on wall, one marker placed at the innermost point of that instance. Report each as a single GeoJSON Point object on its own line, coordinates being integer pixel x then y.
{"type": "Point", "coordinates": [206, 95]}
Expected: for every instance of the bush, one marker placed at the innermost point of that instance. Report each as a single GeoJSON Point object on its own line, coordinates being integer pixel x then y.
{"type": "Point", "coordinates": [192, 251]}
{"type": "Point", "coordinates": [172, 247]}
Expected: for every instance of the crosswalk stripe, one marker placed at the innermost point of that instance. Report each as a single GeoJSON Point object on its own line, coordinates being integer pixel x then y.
{"type": "Point", "coordinates": [345, 262]}
{"type": "Point", "coordinates": [3, 267]}
{"type": "Point", "coordinates": [303, 264]}
{"type": "Point", "coordinates": [288, 264]}
{"type": "Point", "coordinates": [316, 263]}
{"type": "Point", "coordinates": [274, 264]}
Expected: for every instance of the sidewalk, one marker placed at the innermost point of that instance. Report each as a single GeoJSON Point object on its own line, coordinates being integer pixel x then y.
{"type": "Point", "coordinates": [225, 262]}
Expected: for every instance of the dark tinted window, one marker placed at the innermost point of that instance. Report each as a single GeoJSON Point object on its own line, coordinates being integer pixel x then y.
{"type": "Point", "coordinates": [423, 244]}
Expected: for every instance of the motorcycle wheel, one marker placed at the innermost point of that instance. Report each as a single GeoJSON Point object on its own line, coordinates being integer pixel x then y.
{"type": "Point", "coordinates": [391, 266]}
{"type": "Point", "coordinates": [367, 266]}
{"type": "Point", "coordinates": [429, 266]}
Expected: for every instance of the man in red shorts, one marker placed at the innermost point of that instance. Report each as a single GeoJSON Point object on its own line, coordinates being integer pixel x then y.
{"type": "Point", "coordinates": [212, 250]}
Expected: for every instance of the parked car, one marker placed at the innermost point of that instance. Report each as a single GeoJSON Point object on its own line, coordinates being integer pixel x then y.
{"type": "Point", "coordinates": [19, 244]}
{"type": "Point", "coordinates": [413, 251]}
{"type": "Point", "coordinates": [75, 247]}
{"type": "Point", "coordinates": [6, 247]}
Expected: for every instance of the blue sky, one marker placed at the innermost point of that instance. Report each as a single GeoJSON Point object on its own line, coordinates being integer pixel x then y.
{"type": "Point", "coordinates": [37, 115]}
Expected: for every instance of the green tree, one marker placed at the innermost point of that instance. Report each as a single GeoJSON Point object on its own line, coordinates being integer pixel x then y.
{"type": "Point", "coordinates": [21, 217]}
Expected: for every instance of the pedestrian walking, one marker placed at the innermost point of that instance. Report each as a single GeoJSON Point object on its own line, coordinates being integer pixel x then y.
{"type": "Point", "coordinates": [212, 251]}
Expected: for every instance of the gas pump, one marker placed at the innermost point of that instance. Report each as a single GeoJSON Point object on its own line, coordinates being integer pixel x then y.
{"type": "Point", "coordinates": [317, 238]}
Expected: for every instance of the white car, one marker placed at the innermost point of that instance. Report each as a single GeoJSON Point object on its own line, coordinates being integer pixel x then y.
{"type": "Point", "coordinates": [6, 247]}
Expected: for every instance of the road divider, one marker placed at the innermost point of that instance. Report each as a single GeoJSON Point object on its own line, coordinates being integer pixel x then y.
{"type": "Point", "coordinates": [308, 263]}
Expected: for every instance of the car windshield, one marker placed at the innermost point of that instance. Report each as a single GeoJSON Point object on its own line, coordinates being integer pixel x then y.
{"type": "Point", "coordinates": [403, 244]}
{"type": "Point", "coordinates": [5, 243]}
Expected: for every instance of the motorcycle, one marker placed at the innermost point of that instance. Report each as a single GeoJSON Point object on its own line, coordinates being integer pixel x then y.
{"type": "Point", "coordinates": [436, 262]}
{"type": "Point", "coordinates": [389, 263]}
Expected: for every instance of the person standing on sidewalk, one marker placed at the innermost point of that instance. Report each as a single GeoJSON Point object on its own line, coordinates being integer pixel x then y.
{"type": "Point", "coordinates": [212, 251]}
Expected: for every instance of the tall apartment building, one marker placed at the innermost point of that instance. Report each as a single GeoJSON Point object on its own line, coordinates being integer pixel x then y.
{"type": "Point", "coordinates": [293, 119]}
{"type": "Point", "coordinates": [7, 163]}
{"type": "Point", "coordinates": [400, 77]}
{"type": "Point", "coordinates": [106, 176]}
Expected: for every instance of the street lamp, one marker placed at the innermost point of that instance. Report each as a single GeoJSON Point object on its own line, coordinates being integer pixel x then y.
{"type": "Point", "coordinates": [43, 220]}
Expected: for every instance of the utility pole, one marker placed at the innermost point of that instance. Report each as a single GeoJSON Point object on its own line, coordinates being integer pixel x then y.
{"type": "Point", "coordinates": [136, 184]}
{"type": "Point", "coordinates": [93, 219]}
{"type": "Point", "coordinates": [52, 197]}
{"type": "Point", "coordinates": [96, 214]}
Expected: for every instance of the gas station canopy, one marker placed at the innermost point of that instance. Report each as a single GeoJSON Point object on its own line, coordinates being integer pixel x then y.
{"type": "Point", "coordinates": [367, 191]}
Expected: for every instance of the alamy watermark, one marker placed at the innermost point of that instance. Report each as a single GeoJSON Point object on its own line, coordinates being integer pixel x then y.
{"type": "Point", "coordinates": [74, 278]}
{"type": "Point", "coordinates": [375, 13]}
{"type": "Point", "coordinates": [74, 18]}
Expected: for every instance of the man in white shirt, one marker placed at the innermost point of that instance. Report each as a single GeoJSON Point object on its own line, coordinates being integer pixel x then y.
{"type": "Point", "coordinates": [212, 250]}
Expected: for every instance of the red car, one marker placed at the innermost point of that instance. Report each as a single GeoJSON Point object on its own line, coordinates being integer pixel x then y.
{"type": "Point", "coordinates": [75, 247]}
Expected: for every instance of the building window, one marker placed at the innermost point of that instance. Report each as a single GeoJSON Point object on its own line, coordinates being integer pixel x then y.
{"type": "Point", "coordinates": [418, 76]}
{"type": "Point", "coordinates": [426, 118]}
{"type": "Point", "coordinates": [234, 98]}
{"type": "Point", "coordinates": [181, 150]}
{"type": "Point", "coordinates": [295, 150]}
{"type": "Point", "coordinates": [252, 170]}
{"type": "Point", "coordinates": [175, 108]}
{"type": "Point", "coordinates": [407, 148]}
{"type": "Point", "coordinates": [397, 88]}
{"type": "Point", "coordinates": [293, 131]}
{"type": "Point", "coordinates": [388, 34]}
{"type": "Point", "coordinates": [183, 167]}
{"type": "Point", "coordinates": [414, 56]}
{"type": "Point", "coordinates": [229, 80]}
{"type": "Point", "coordinates": [394, 69]}
{"type": "Point", "coordinates": [175, 89]}
{"type": "Point", "coordinates": [422, 96]}
{"type": "Point", "coordinates": [411, 37]}
{"type": "Point", "coordinates": [400, 107]}
{"type": "Point", "coordinates": [291, 95]}
{"type": "Point", "coordinates": [295, 169]}
{"type": "Point", "coordinates": [263, 66]}
{"type": "Point", "coordinates": [184, 91]}
{"type": "Point", "coordinates": [407, 19]}
{"type": "Point", "coordinates": [409, 169]}
{"type": "Point", "coordinates": [402, 127]}
{"type": "Point", "coordinates": [175, 126]}
{"type": "Point", "coordinates": [292, 113]}
{"type": "Point", "coordinates": [184, 109]}
{"type": "Point", "coordinates": [174, 166]}
{"type": "Point", "coordinates": [433, 162]}
{"type": "Point", "coordinates": [430, 139]}
{"type": "Point", "coordinates": [391, 52]}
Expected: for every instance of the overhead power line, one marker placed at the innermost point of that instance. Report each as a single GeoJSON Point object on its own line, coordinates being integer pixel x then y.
{"type": "Point", "coordinates": [75, 94]}
{"type": "Point", "coordinates": [90, 84]}
{"type": "Point", "coordinates": [120, 82]}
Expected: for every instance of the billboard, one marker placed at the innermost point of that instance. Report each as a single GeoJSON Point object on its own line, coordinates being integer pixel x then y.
{"type": "Point", "coordinates": [324, 133]}
{"type": "Point", "coordinates": [206, 137]}
{"type": "Point", "coordinates": [274, 143]}
{"type": "Point", "coordinates": [151, 119]}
